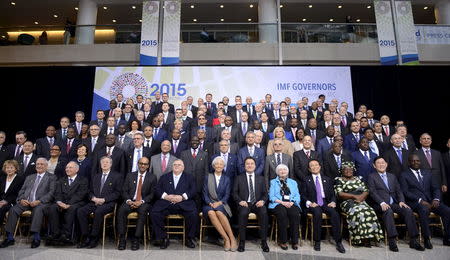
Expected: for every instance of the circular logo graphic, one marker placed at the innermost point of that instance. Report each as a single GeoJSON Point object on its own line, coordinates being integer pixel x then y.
{"type": "Point", "coordinates": [172, 7]}
{"type": "Point", "coordinates": [151, 7]}
{"type": "Point", "coordinates": [403, 8]}
{"type": "Point", "coordinates": [129, 85]}
{"type": "Point", "coordinates": [382, 7]}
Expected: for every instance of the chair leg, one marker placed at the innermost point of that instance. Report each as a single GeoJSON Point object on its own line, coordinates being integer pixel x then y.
{"type": "Point", "coordinates": [312, 231]}
{"type": "Point", "coordinates": [17, 227]}
{"type": "Point", "coordinates": [201, 232]}
{"type": "Point", "coordinates": [184, 231]}
{"type": "Point", "coordinates": [104, 231]}
{"type": "Point", "coordinates": [276, 230]}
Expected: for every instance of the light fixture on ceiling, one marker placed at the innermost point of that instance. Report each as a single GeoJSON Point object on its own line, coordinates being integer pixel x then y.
{"type": "Point", "coordinates": [194, 20]}
{"type": "Point", "coordinates": [12, 3]}
{"type": "Point", "coordinates": [358, 20]}
{"type": "Point", "coordinates": [304, 19]}
{"type": "Point", "coordinates": [425, 8]}
{"type": "Point", "coordinates": [281, 6]}
{"type": "Point", "coordinates": [192, 6]}
{"type": "Point", "coordinates": [3, 36]}
{"type": "Point", "coordinates": [221, 19]}
{"type": "Point", "coordinates": [251, 6]}
{"type": "Point", "coordinates": [55, 15]}
{"type": "Point", "coordinates": [310, 6]}
{"type": "Point", "coordinates": [114, 20]}
{"type": "Point", "coordinates": [249, 19]}
{"type": "Point", "coordinates": [369, 6]}
{"type": "Point", "coordinates": [36, 23]}
{"type": "Point", "coordinates": [339, 6]}
{"type": "Point", "coordinates": [105, 7]}
{"type": "Point", "coordinates": [140, 20]}
{"type": "Point", "coordinates": [221, 6]}
{"type": "Point", "coordinates": [133, 7]}
{"type": "Point", "coordinates": [331, 20]}
{"type": "Point", "coordinates": [76, 8]}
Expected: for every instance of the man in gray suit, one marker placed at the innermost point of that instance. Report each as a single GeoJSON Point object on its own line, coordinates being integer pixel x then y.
{"type": "Point", "coordinates": [124, 142]}
{"type": "Point", "coordinates": [275, 159]}
{"type": "Point", "coordinates": [432, 160]}
{"type": "Point", "coordinates": [162, 163]}
{"type": "Point", "coordinates": [36, 194]}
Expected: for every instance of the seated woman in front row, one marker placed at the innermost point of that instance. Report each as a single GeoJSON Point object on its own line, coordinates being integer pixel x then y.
{"type": "Point", "coordinates": [216, 192]}
{"type": "Point", "coordinates": [361, 218]}
{"type": "Point", "coordinates": [284, 203]}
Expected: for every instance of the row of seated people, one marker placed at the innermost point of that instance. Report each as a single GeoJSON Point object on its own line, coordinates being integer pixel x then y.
{"type": "Point", "coordinates": [176, 192]}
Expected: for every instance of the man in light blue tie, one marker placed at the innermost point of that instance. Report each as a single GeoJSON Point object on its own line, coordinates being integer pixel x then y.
{"type": "Point", "coordinates": [388, 199]}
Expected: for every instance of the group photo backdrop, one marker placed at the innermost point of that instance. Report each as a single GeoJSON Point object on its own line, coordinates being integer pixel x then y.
{"type": "Point", "coordinates": [34, 97]}
{"type": "Point", "coordinates": [196, 81]}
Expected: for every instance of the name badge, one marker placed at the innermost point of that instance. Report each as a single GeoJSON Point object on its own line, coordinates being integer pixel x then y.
{"type": "Point", "coordinates": [286, 198]}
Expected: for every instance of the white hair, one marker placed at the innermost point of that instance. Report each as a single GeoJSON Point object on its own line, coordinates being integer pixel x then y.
{"type": "Point", "coordinates": [281, 167]}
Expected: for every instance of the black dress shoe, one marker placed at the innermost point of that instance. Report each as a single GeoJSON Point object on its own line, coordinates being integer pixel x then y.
{"type": "Point", "coordinates": [241, 247]}
{"type": "Point", "coordinates": [393, 245]}
{"type": "Point", "coordinates": [164, 243]}
{"type": "Point", "coordinates": [294, 246]}
{"type": "Point", "coordinates": [427, 243]}
{"type": "Point", "coordinates": [35, 243]}
{"type": "Point", "coordinates": [122, 244]}
{"type": "Point", "coordinates": [190, 243]}
{"type": "Point", "coordinates": [340, 248]}
{"type": "Point", "coordinates": [65, 239]}
{"type": "Point", "coordinates": [414, 244]}
{"type": "Point", "coordinates": [265, 247]}
{"type": "Point", "coordinates": [317, 245]}
{"type": "Point", "coordinates": [84, 243]}
{"type": "Point", "coordinates": [135, 244]}
{"type": "Point", "coordinates": [93, 243]}
{"type": "Point", "coordinates": [283, 246]}
{"type": "Point", "coordinates": [7, 243]}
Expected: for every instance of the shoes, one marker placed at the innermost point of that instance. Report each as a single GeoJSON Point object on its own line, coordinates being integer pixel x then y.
{"type": "Point", "coordinates": [317, 245]}
{"type": "Point", "coordinates": [84, 243]}
{"type": "Point", "coordinates": [93, 243]}
{"type": "Point", "coordinates": [35, 243]}
{"type": "Point", "coordinates": [340, 248]}
{"type": "Point", "coordinates": [164, 243]}
{"type": "Point", "coordinates": [283, 246]}
{"type": "Point", "coordinates": [264, 246]}
{"type": "Point", "coordinates": [122, 244]}
{"type": "Point", "coordinates": [427, 243]}
{"type": "Point", "coordinates": [241, 247]}
{"type": "Point", "coordinates": [414, 244]}
{"type": "Point", "coordinates": [233, 246]}
{"type": "Point", "coordinates": [393, 245]}
{"type": "Point", "coordinates": [190, 243]}
{"type": "Point", "coordinates": [135, 244]}
{"type": "Point", "coordinates": [227, 245]}
{"type": "Point", "coordinates": [294, 246]}
{"type": "Point", "coordinates": [7, 243]}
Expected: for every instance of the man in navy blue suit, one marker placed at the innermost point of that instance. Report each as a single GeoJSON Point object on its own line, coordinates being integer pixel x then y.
{"type": "Point", "coordinates": [422, 193]}
{"type": "Point", "coordinates": [231, 161]}
{"type": "Point", "coordinates": [176, 191]}
{"type": "Point", "coordinates": [324, 144]}
{"type": "Point", "coordinates": [351, 140]}
{"type": "Point", "coordinates": [251, 150]}
{"type": "Point", "coordinates": [44, 144]}
{"type": "Point", "coordinates": [159, 133]}
{"type": "Point", "coordinates": [363, 159]}
{"type": "Point", "coordinates": [211, 106]}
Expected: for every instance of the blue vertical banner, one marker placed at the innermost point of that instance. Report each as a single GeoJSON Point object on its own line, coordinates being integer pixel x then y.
{"type": "Point", "coordinates": [386, 35]}
{"type": "Point", "coordinates": [149, 33]}
{"type": "Point", "coordinates": [171, 33]}
{"type": "Point", "coordinates": [406, 30]}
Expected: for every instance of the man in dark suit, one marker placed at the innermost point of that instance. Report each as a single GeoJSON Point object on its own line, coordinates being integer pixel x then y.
{"type": "Point", "coordinates": [446, 160]}
{"type": "Point", "coordinates": [210, 135]}
{"type": "Point", "coordinates": [396, 156]}
{"type": "Point", "coordinates": [162, 163]}
{"type": "Point", "coordinates": [251, 150]}
{"type": "Point", "coordinates": [211, 106]}
{"type": "Point", "coordinates": [112, 106]}
{"type": "Point", "coordinates": [324, 144]}
{"type": "Point", "coordinates": [62, 132]}
{"type": "Point", "coordinates": [423, 194]}
{"type": "Point", "coordinates": [124, 142]}
{"type": "Point", "coordinates": [159, 133]}
{"type": "Point", "coordinates": [380, 137]}
{"type": "Point", "coordinates": [137, 194]}
{"type": "Point", "coordinates": [120, 102]}
{"type": "Point", "coordinates": [43, 144]}
{"type": "Point", "coordinates": [375, 145]}
{"type": "Point", "coordinates": [249, 107]}
{"type": "Point", "coordinates": [128, 114]}
{"type": "Point", "coordinates": [150, 142]}
{"type": "Point", "coordinates": [301, 159]}
{"type": "Point", "coordinates": [70, 144]}
{"type": "Point", "coordinates": [100, 121]}
{"type": "Point", "coordinates": [177, 145]}
{"type": "Point", "coordinates": [95, 141]}
{"type": "Point", "coordinates": [275, 159]}
{"type": "Point", "coordinates": [191, 107]}
{"type": "Point", "coordinates": [251, 194]}
{"type": "Point", "coordinates": [175, 192]}
{"type": "Point", "coordinates": [388, 130]}
{"type": "Point", "coordinates": [165, 99]}
{"type": "Point", "coordinates": [15, 150]}
{"type": "Point", "coordinates": [226, 135]}
{"type": "Point", "coordinates": [314, 113]}
{"type": "Point", "coordinates": [196, 163]}
{"type": "Point", "coordinates": [385, 191]}
{"type": "Point", "coordinates": [352, 139]}
{"type": "Point", "coordinates": [168, 117]}
{"type": "Point", "coordinates": [136, 152]}
{"type": "Point", "coordinates": [432, 160]}
{"type": "Point", "coordinates": [36, 194]}
{"type": "Point", "coordinates": [103, 195]}
{"type": "Point", "coordinates": [111, 127]}
{"type": "Point", "coordinates": [4, 154]}
{"type": "Point", "coordinates": [318, 192]}
{"type": "Point", "coordinates": [78, 124]}
{"type": "Point", "coordinates": [313, 131]}
{"type": "Point", "coordinates": [235, 132]}
{"type": "Point", "coordinates": [139, 103]}
{"type": "Point", "coordinates": [115, 153]}
{"type": "Point", "coordinates": [363, 159]}
{"type": "Point", "coordinates": [332, 161]}
{"type": "Point", "coordinates": [408, 140]}
{"type": "Point", "coordinates": [71, 194]}
{"type": "Point", "coordinates": [27, 160]}
{"type": "Point", "coordinates": [338, 126]}
{"type": "Point", "coordinates": [231, 161]}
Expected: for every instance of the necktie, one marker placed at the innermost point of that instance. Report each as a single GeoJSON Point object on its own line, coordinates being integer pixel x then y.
{"type": "Point", "coordinates": [386, 130]}
{"type": "Point", "coordinates": [420, 177]}
{"type": "Point", "coordinates": [18, 150]}
{"type": "Point", "coordinates": [357, 137]}
{"type": "Point", "coordinates": [428, 155]}
{"type": "Point", "coordinates": [69, 145]}
{"type": "Point", "coordinates": [111, 130]}
{"type": "Point", "coordinates": [111, 112]}
{"type": "Point", "coordinates": [94, 142]}
{"type": "Point", "coordinates": [51, 142]}
{"type": "Point", "coordinates": [366, 155]}
{"type": "Point", "coordinates": [102, 182]}
{"type": "Point", "coordinates": [405, 145]}
{"type": "Point", "coordinates": [139, 189]}
{"type": "Point", "coordinates": [175, 146]}
{"type": "Point", "coordinates": [252, 190]}
{"type": "Point", "coordinates": [385, 180]}
{"type": "Point", "coordinates": [330, 140]}
{"type": "Point", "coordinates": [250, 110]}
{"type": "Point", "coordinates": [250, 151]}
{"type": "Point", "coordinates": [399, 155]}
{"type": "Point", "coordinates": [147, 143]}
{"type": "Point", "coordinates": [338, 161]}
{"type": "Point", "coordinates": [225, 158]}
{"type": "Point", "coordinates": [209, 105]}
{"type": "Point", "coordinates": [315, 114]}
{"type": "Point", "coordinates": [343, 121]}
{"type": "Point", "coordinates": [318, 192]}
{"type": "Point", "coordinates": [278, 159]}
{"type": "Point", "coordinates": [139, 155]}
{"type": "Point", "coordinates": [34, 189]}
{"type": "Point", "coordinates": [163, 163]}
{"type": "Point", "coordinates": [239, 116]}
{"type": "Point", "coordinates": [307, 154]}
{"type": "Point", "coordinates": [372, 147]}
{"type": "Point", "coordinates": [70, 181]}
{"type": "Point", "coordinates": [244, 129]}
{"type": "Point", "coordinates": [121, 140]}
{"type": "Point", "coordinates": [109, 152]}
{"type": "Point", "coordinates": [100, 123]}
{"type": "Point", "coordinates": [156, 131]}
{"type": "Point", "coordinates": [194, 155]}
{"type": "Point", "coordinates": [64, 132]}
{"type": "Point", "coordinates": [371, 122]}
{"type": "Point", "coordinates": [313, 135]}
{"type": "Point", "coordinates": [25, 162]}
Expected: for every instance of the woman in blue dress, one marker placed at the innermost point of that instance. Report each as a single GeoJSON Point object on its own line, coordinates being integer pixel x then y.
{"type": "Point", "coordinates": [216, 192]}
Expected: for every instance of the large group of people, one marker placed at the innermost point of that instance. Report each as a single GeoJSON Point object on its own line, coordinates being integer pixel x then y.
{"type": "Point", "coordinates": [277, 159]}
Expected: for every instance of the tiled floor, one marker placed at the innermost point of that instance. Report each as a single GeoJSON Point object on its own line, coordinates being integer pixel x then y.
{"type": "Point", "coordinates": [22, 250]}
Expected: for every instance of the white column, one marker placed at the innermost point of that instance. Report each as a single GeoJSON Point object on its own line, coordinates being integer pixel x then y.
{"type": "Point", "coordinates": [267, 13]}
{"type": "Point", "coordinates": [87, 15]}
{"type": "Point", "coordinates": [442, 12]}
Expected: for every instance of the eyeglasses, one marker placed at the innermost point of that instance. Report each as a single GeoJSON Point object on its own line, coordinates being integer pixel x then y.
{"type": "Point", "coordinates": [143, 163]}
